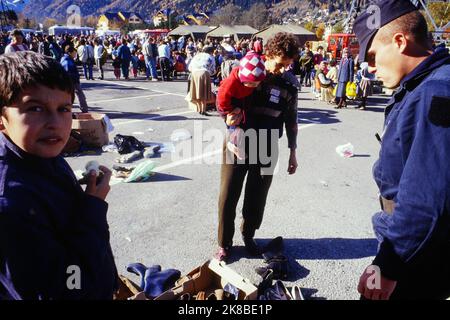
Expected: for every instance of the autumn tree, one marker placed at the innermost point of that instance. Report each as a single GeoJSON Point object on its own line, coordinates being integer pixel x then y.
{"type": "Point", "coordinates": [309, 26]}
{"type": "Point", "coordinates": [338, 28]}
{"type": "Point", "coordinates": [320, 31]}
{"type": "Point", "coordinates": [440, 11]}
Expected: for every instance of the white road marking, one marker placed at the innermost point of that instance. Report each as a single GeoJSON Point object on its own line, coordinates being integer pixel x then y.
{"type": "Point", "coordinates": [152, 118]}
{"type": "Point", "coordinates": [130, 98]}
{"type": "Point", "coordinates": [205, 155]}
{"type": "Point", "coordinates": [300, 127]}
{"type": "Point", "coordinates": [188, 160]}
{"type": "Point", "coordinates": [147, 89]}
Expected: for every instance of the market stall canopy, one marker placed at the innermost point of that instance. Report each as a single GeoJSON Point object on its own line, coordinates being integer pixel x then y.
{"type": "Point", "coordinates": [301, 33]}
{"type": "Point", "coordinates": [237, 32]}
{"type": "Point", "coordinates": [195, 32]}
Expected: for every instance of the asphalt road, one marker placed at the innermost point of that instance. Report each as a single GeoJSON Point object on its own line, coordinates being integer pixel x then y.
{"type": "Point", "coordinates": [323, 212]}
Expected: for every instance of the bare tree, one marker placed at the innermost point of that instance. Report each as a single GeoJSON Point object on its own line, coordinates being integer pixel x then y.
{"type": "Point", "coordinates": [257, 16]}
{"type": "Point", "coordinates": [49, 22]}
{"type": "Point", "coordinates": [228, 15]}
{"type": "Point", "coordinates": [90, 21]}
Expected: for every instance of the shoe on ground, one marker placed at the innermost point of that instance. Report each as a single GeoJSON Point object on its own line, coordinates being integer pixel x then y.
{"type": "Point", "coordinates": [251, 246]}
{"type": "Point", "coordinates": [296, 293]}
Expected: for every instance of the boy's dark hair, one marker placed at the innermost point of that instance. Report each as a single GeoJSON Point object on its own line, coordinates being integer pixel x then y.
{"type": "Point", "coordinates": [319, 48]}
{"type": "Point", "coordinates": [282, 44]}
{"type": "Point", "coordinates": [25, 69]}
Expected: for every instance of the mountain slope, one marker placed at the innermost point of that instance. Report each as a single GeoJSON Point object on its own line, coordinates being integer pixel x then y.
{"type": "Point", "coordinates": [41, 9]}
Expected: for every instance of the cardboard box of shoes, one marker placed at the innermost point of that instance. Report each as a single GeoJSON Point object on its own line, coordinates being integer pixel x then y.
{"type": "Point", "coordinates": [208, 282]}
{"type": "Point", "coordinates": [92, 128]}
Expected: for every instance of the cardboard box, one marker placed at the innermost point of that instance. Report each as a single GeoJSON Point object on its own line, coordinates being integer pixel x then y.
{"type": "Point", "coordinates": [92, 128]}
{"type": "Point", "coordinates": [211, 275]}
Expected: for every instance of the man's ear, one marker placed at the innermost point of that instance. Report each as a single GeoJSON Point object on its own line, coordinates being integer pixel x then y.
{"type": "Point", "coordinates": [2, 118]}
{"type": "Point", "coordinates": [400, 41]}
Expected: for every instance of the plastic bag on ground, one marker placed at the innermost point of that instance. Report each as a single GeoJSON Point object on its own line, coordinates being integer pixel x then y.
{"type": "Point", "coordinates": [127, 144]}
{"type": "Point", "coordinates": [142, 172]}
{"type": "Point", "coordinates": [346, 150]}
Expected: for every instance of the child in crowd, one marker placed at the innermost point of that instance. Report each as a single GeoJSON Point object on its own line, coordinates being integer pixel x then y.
{"type": "Point", "coordinates": [134, 64]}
{"type": "Point", "coordinates": [240, 84]}
{"type": "Point", "coordinates": [116, 63]}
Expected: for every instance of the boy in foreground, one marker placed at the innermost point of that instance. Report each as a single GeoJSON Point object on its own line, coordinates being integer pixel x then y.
{"type": "Point", "coordinates": [54, 237]}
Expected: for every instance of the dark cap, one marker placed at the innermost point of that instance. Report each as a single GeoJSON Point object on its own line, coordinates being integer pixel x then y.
{"type": "Point", "coordinates": [385, 11]}
{"type": "Point", "coordinates": [16, 32]}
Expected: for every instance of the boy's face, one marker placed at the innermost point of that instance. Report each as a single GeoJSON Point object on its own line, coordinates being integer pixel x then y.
{"type": "Point", "coordinates": [40, 121]}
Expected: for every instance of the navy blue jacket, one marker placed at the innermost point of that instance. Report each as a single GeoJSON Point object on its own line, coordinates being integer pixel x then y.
{"type": "Point", "coordinates": [69, 65]}
{"type": "Point", "coordinates": [414, 168]}
{"type": "Point", "coordinates": [346, 70]}
{"type": "Point", "coordinates": [48, 224]}
{"type": "Point", "coordinates": [124, 54]}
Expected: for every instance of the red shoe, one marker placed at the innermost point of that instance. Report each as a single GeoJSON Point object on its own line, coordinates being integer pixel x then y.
{"type": "Point", "coordinates": [222, 254]}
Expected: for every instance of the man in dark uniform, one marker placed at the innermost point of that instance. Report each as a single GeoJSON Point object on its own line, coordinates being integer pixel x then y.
{"type": "Point", "coordinates": [413, 170]}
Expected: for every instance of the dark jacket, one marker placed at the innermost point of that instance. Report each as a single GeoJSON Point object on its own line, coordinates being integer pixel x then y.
{"type": "Point", "coordinates": [414, 169]}
{"type": "Point", "coordinates": [274, 104]}
{"type": "Point", "coordinates": [49, 225]}
{"type": "Point", "coordinates": [44, 48]}
{"type": "Point", "coordinates": [69, 65]}
{"type": "Point", "coordinates": [346, 70]}
{"type": "Point", "coordinates": [124, 54]}
{"type": "Point", "coordinates": [307, 61]}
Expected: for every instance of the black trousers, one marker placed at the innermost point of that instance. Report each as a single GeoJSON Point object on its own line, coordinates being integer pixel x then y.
{"type": "Point", "coordinates": [164, 65]}
{"type": "Point", "coordinates": [256, 190]}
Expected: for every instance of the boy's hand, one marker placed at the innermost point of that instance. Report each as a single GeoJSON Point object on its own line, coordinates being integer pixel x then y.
{"type": "Point", "coordinates": [101, 188]}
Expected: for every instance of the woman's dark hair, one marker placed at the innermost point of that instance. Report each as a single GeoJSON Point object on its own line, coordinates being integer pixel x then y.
{"type": "Point", "coordinates": [69, 49]}
{"type": "Point", "coordinates": [208, 49]}
{"type": "Point", "coordinates": [282, 44]}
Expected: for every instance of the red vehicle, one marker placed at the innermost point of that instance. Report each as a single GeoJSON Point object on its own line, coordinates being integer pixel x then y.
{"type": "Point", "coordinates": [339, 41]}
{"type": "Point", "coordinates": [157, 33]}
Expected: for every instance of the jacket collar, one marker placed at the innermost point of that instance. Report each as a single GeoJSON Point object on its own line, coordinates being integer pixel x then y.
{"type": "Point", "coordinates": [5, 143]}
{"type": "Point", "coordinates": [434, 61]}
{"type": "Point", "coordinates": [414, 78]}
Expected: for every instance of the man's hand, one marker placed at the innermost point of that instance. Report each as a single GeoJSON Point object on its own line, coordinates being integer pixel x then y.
{"type": "Point", "coordinates": [99, 189]}
{"type": "Point", "coordinates": [292, 168]}
{"type": "Point", "coordinates": [373, 286]}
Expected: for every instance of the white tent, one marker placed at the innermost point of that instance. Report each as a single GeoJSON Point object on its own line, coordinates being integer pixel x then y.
{"type": "Point", "coordinates": [195, 32]}
{"type": "Point", "coordinates": [299, 32]}
{"type": "Point", "coordinates": [237, 32]}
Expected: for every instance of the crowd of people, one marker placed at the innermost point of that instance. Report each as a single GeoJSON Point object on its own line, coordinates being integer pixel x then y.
{"type": "Point", "coordinates": [164, 58]}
